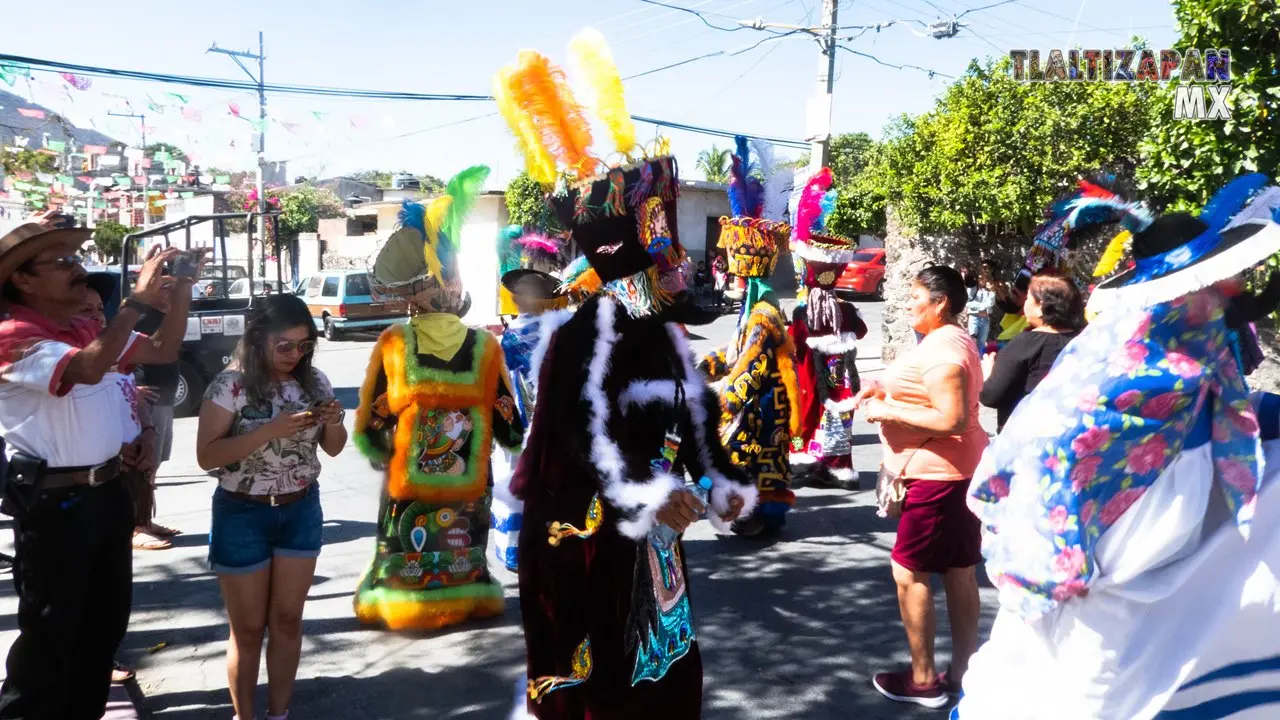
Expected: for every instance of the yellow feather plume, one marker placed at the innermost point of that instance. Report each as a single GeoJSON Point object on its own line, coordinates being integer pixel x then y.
{"type": "Point", "coordinates": [594, 63]}
{"type": "Point", "coordinates": [537, 159]}
{"type": "Point", "coordinates": [1112, 256]}
{"type": "Point", "coordinates": [540, 87]}
{"type": "Point", "coordinates": [437, 211]}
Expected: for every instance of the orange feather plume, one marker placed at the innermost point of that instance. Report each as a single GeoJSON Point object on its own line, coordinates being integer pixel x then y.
{"type": "Point", "coordinates": [541, 88]}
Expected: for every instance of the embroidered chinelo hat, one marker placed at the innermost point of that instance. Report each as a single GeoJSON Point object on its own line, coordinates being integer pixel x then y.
{"type": "Point", "coordinates": [1177, 254]}
{"type": "Point", "coordinates": [419, 261]}
{"type": "Point", "coordinates": [750, 241]}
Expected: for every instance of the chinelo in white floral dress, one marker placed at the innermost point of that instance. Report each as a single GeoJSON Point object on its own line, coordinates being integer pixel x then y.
{"type": "Point", "coordinates": [284, 465]}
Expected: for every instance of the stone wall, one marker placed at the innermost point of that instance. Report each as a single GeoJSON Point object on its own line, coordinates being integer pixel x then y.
{"type": "Point", "coordinates": [1267, 377]}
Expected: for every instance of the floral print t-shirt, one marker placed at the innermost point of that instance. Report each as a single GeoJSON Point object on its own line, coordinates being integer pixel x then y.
{"type": "Point", "coordinates": [283, 465]}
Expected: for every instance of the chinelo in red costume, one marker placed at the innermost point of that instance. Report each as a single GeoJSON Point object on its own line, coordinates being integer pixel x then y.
{"type": "Point", "coordinates": [825, 331]}
{"type": "Point", "coordinates": [621, 417]}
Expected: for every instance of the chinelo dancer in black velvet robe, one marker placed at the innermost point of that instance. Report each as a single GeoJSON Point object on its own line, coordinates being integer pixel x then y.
{"type": "Point", "coordinates": [622, 416]}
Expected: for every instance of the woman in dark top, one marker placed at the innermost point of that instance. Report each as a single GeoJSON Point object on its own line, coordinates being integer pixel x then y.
{"type": "Point", "coordinates": [1054, 309]}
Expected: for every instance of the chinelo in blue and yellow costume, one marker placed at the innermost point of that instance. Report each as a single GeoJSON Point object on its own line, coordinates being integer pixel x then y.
{"type": "Point", "coordinates": [622, 418]}
{"type": "Point", "coordinates": [755, 376]}
{"type": "Point", "coordinates": [435, 399]}
{"type": "Point", "coordinates": [536, 296]}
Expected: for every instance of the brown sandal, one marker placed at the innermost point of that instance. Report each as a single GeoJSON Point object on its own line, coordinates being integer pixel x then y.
{"type": "Point", "coordinates": [162, 532]}
{"type": "Point", "coordinates": [121, 674]}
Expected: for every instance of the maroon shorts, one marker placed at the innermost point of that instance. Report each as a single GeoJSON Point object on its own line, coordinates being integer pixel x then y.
{"type": "Point", "coordinates": [936, 531]}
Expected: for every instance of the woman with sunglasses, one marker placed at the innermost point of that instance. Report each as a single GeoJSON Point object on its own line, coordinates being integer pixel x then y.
{"type": "Point", "coordinates": [260, 425]}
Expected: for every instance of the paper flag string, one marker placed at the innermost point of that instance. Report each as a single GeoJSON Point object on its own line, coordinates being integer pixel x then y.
{"type": "Point", "coordinates": [172, 179]}
{"type": "Point", "coordinates": [144, 163]}
{"type": "Point", "coordinates": [140, 179]}
{"type": "Point", "coordinates": [234, 108]}
{"type": "Point", "coordinates": [318, 115]}
{"type": "Point", "coordinates": [107, 161]}
{"type": "Point", "coordinates": [66, 180]}
{"type": "Point", "coordinates": [161, 156]}
{"type": "Point", "coordinates": [95, 150]}
{"type": "Point", "coordinates": [294, 128]}
{"type": "Point", "coordinates": [77, 82]}
{"type": "Point", "coordinates": [31, 113]}
{"type": "Point", "coordinates": [84, 179]}
{"type": "Point", "coordinates": [44, 177]}
{"type": "Point", "coordinates": [56, 145]}
{"type": "Point", "coordinates": [223, 179]}
{"type": "Point", "coordinates": [21, 140]}
{"type": "Point", "coordinates": [188, 195]}
{"type": "Point", "coordinates": [11, 72]}
{"type": "Point", "coordinates": [192, 114]}
{"type": "Point", "coordinates": [180, 98]}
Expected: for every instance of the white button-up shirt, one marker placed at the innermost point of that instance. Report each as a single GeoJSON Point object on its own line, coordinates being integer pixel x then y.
{"type": "Point", "coordinates": [44, 416]}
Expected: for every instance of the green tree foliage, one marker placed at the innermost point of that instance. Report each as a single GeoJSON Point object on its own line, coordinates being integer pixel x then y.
{"type": "Point", "coordinates": [108, 237]}
{"type": "Point", "coordinates": [302, 209]}
{"type": "Point", "coordinates": [715, 164]}
{"type": "Point", "coordinates": [1183, 161]}
{"type": "Point", "coordinates": [993, 152]}
{"type": "Point", "coordinates": [26, 161]}
{"type": "Point", "coordinates": [174, 151]}
{"type": "Point", "coordinates": [526, 202]}
{"type": "Point", "coordinates": [857, 163]}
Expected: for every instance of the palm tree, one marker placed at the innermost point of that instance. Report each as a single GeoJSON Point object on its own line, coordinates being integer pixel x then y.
{"type": "Point", "coordinates": [714, 164]}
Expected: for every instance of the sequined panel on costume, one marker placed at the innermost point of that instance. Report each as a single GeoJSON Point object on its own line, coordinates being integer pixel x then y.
{"type": "Point", "coordinates": [663, 629]}
{"type": "Point", "coordinates": [431, 547]}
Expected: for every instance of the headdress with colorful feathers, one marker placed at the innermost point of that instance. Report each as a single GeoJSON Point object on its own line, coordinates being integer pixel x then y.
{"type": "Point", "coordinates": [750, 241]}
{"type": "Point", "coordinates": [621, 216]}
{"type": "Point", "coordinates": [420, 259]}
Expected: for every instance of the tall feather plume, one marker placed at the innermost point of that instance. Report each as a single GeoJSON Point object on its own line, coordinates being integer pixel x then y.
{"type": "Point", "coordinates": [1231, 199]}
{"type": "Point", "coordinates": [540, 87]}
{"type": "Point", "coordinates": [592, 60]}
{"type": "Point", "coordinates": [739, 162]}
{"type": "Point", "coordinates": [438, 254]}
{"type": "Point", "coordinates": [537, 158]}
{"type": "Point", "coordinates": [463, 188]}
{"type": "Point", "coordinates": [539, 242]}
{"type": "Point", "coordinates": [414, 215]}
{"type": "Point", "coordinates": [778, 182]}
{"type": "Point", "coordinates": [809, 211]}
{"type": "Point", "coordinates": [828, 204]}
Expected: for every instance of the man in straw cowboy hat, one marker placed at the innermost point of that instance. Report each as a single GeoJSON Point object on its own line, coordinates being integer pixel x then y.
{"type": "Point", "coordinates": [73, 517]}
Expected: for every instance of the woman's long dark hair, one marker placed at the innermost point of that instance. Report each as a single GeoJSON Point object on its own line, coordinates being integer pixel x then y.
{"type": "Point", "coordinates": [1061, 302]}
{"type": "Point", "coordinates": [275, 314]}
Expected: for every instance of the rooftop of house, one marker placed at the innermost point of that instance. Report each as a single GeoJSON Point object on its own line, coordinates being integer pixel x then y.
{"type": "Point", "coordinates": [13, 122]}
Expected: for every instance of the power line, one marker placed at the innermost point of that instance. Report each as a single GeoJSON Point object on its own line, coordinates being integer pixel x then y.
{"type": "Point", "coordinates": [56, 66]}
{"type": "Point", "coordinates": [931, 73]}
{"type": "Point", "coordinates": [696, 13]}
{"type": "Point", "coordinates": [718, 53]}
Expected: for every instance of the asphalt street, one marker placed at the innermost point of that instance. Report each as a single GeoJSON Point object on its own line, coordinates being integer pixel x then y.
{"type": "Point", "coordinates": [790, 629]}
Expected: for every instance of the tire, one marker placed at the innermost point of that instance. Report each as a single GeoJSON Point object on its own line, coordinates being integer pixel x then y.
{"type": "Point", "coordinates": [330, 329]}
{"type": "Point", "coordinates": [879, 294]}
{"type": "Point", "coordinates": [191, 386]}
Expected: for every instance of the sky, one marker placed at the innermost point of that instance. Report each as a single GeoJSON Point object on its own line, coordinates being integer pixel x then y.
{"type": "Point", "coordinates": [456, 47]}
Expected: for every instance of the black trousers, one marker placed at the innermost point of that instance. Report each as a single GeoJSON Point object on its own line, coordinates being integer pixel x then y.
{"type": "Point", "coordinates": [73, 571]}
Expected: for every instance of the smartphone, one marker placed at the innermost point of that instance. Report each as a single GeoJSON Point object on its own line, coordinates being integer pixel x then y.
{"type": "Point", "coordinates": [186, 264]}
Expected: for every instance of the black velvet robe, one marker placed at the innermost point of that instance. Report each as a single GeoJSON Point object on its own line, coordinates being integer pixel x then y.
{"type": "Point", "coordinates": [584, 587]}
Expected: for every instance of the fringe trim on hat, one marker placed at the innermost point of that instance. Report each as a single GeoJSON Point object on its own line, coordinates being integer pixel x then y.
{"type": "Point", "coordinates": [817, 251]}
{"type": "Point", "coordinates": [1231, 262]}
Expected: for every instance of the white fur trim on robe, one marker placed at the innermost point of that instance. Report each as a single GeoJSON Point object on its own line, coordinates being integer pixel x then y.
{"type": "Point", "coordinates": [697, 395]}
{"type": "Point", "coordinates": [832, 344]}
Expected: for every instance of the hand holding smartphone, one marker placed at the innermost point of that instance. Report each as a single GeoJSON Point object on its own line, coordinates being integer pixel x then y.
{"type": "Point", "coordinates": [187, 264]}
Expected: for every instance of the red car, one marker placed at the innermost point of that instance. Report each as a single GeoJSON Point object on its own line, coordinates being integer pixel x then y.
{"type": "Point", "coordinates": [865, 274]}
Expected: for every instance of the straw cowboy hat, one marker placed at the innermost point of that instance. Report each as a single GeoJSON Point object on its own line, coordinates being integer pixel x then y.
{"type": "Point", "coordinates": [32, 238]}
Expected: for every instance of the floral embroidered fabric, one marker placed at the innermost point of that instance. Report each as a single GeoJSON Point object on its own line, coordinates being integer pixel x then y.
{"type": "Point", "coordinates": [1116, 408]}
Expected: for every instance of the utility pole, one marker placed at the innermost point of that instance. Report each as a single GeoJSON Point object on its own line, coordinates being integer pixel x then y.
{"type": "Point", "coordinates": [820, 106]}
{"type": "Point", "coordinates": [260, 145]}
{"type": "Point", "coordinates": [146, 199]}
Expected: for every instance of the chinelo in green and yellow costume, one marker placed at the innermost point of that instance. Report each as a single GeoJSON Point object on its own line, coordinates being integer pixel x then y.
{"type": "Point", "coordinates": [435, 398]}
{"type": "Point", "coordinates": [755, 376]}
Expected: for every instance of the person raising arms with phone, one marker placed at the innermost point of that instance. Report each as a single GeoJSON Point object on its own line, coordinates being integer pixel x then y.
{"type": "Point", "coordinates": [260, 425]}
{"type": "Point", "coordinates": [73, 517]}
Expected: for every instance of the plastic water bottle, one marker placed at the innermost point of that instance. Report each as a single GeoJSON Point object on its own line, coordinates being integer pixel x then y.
{"type": "Point", "coordinates": [665, 536]}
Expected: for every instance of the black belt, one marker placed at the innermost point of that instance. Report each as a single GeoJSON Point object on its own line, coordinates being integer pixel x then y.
{"type": "Point", "coordinates": [87, 475]}
{"type": "Point", "coordinates": [272, 500]}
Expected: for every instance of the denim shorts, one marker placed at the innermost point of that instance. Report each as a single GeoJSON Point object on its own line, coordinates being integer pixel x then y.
{"type": "Point", "coordinates": [246, 535]}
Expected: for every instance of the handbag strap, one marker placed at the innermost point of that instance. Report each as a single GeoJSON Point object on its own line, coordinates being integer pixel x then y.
{"type": "Point", "coordinates": [903, 473]}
